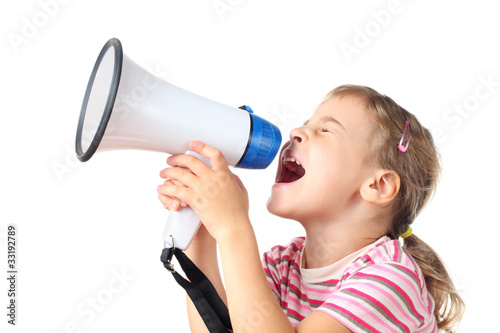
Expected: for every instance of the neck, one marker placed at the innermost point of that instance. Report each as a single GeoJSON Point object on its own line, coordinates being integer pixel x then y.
{"type": "Point", "coordinates": [328, 243]}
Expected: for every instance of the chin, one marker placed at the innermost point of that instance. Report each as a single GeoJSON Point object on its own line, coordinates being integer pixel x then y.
{"type": "Point", "coordinates": [273, 207]}
{"type": "Point", "coordinates": [280, 208]}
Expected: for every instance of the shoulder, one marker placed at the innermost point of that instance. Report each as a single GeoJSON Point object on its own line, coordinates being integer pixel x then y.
{"type": "Point", "coordinates": [387, 259]}
{"type": "Point", "coordinates": [290, 251]}
{"type": "Point", "coordinates": [384, 287]}
{"type": "Point", "coordinates": [387, 265]}
{"type": "Point", "coordinates": [283, 261]}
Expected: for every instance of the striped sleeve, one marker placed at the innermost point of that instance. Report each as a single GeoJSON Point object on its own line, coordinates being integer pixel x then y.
{"type": "Point", "coordinates": [281, 267]}
{"type": "Point", "coordinates": [271, 270]}
{"type": "Point", "coordinates": [383, 297]}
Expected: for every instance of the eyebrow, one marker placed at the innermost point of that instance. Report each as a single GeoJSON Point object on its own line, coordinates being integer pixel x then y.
{"type": "Point", "coordinates": [328, 119]}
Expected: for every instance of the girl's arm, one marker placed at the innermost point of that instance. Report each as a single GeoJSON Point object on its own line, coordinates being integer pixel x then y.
{"type": "Point", "coordinates": [252, 304]}
{"type": "Point", "coordinates": [220, 200]}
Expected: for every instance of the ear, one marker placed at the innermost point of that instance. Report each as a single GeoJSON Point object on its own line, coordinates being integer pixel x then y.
{"type": "Point", "coordinates": [381, 188]}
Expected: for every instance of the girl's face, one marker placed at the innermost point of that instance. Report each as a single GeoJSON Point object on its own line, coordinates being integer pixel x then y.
{"type": "Point", "coordinates": [322, 169]}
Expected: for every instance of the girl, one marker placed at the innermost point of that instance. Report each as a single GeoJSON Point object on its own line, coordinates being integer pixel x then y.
{"type": "Point", "coordinates": [355, 175]}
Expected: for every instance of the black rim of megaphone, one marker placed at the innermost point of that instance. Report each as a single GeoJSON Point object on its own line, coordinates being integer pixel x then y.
{"type": "Point", "coordinates": [115, 82]}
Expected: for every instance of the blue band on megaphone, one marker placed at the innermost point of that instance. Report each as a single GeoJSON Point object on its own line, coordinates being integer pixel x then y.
{"type": "Point", "coordinates": [264, 143]}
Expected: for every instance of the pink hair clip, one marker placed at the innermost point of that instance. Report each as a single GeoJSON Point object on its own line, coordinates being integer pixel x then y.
{"type": "Point", "coordinates": [400, 146]}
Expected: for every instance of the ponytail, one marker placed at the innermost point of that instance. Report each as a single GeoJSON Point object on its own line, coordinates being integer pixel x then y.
{"type": "Point", "coordinates": [449, 307]}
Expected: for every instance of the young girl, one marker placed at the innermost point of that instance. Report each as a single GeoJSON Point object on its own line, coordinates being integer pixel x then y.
{"type": "Point", "coordinates": [355, 175]}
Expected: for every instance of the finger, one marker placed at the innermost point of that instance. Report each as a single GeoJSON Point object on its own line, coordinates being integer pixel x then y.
{"type": "Point", "coordinates": [216, 158]}
{"type": "Point", "coordinates": [168, 202]}
{"type": "Point", "coordinates": [189, 162]}
{"type": "Point", "coordinates": [176, 182]}
{"type": "Point", "coordinates": [179, 176]}
{"type": "Point", "coordinates": [175, 192]}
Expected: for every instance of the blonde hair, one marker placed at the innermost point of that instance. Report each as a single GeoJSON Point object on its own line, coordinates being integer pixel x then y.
{"type": "Point", "coordinates": [418, 168]}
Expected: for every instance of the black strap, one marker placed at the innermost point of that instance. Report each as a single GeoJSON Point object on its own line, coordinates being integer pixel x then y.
{"type": "Point", "coordinates": [210, 306]}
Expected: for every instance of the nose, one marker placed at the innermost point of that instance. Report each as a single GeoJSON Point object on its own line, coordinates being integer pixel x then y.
{"type": "Point", "coordinates": [298, 135]}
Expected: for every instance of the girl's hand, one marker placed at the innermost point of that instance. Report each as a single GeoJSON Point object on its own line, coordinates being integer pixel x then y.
{"type": "Point", "coordinates": [217, 195]}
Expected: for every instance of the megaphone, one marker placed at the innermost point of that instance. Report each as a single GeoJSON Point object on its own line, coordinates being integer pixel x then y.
{"type": "Point", "coordinates": [126, 107]}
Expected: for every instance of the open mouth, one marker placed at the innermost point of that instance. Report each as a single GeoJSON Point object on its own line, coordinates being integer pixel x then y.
{"type": "Point", "coordinates": [290, 170]}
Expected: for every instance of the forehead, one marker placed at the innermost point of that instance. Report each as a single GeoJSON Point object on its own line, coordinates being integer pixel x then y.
{"type": "Point", "coordinates": [349, 111]}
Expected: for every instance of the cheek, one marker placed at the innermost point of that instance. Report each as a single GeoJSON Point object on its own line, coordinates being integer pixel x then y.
{"type": "Point", "coordinates": [333, 183]}
{"type": "Point", "coordinates": [326, 191]}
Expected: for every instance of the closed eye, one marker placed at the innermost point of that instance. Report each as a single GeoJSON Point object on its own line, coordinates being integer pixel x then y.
{"type": "Point", "coordinates": [320, 125]}
{"type": "Point", "coordinates": [323, 129]}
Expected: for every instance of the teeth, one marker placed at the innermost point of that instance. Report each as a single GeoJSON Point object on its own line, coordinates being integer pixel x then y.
{"type": "Point", "coordinates": [291, 159]}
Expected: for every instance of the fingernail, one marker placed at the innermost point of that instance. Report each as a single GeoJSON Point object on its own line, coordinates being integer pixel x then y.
{"type": "Point", "coordinates": [183, 204]}
{"type": "Point", "coordinates": [195, 144]}
{"type": "Point", "coordinates": [174, 205]}
{"type": "Point", "coordinates": [159, 188]}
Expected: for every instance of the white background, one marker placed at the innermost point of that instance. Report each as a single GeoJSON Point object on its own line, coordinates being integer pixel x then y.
{"type": "Point", "coordinates": [80, 225]}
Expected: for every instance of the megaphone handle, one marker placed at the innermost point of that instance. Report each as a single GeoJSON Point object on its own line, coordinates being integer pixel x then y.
{"type": "Point", "coordinates": [182, 226]}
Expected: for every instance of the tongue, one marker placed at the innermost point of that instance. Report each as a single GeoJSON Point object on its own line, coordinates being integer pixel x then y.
{"type": "Point", "coordinates": [300, 172]}
{"type": "Point", "coordinates": [293, 176]}
{"type": "Point", "coordinates": [288, 176]}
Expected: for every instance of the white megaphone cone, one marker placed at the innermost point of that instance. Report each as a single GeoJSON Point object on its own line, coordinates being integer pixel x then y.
{"type": "Point", "coordinates": [126, 107]}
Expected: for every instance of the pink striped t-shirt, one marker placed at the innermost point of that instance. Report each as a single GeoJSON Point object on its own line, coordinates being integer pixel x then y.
{"type": "Point", "coordinates": [377, 289]}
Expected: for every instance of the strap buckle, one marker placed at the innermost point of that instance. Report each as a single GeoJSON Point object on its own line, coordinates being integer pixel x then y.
{"type": "Point", "coordinates": [168, 265]}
